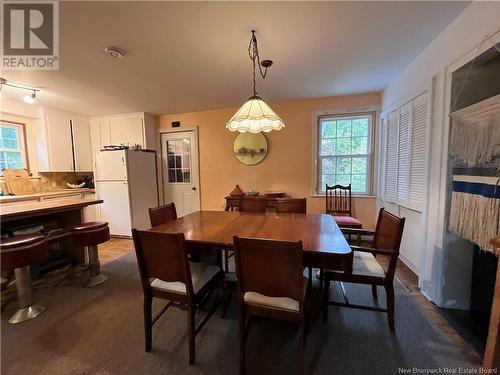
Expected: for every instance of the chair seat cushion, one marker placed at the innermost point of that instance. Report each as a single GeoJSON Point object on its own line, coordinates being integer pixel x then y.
{"type": "Point", "coordinates": [91, 233]}
{"type": "Point", "coordinates": [201, 274]}
{"type": "Point", "coordinates": [19, 241]}
{"type": "Point", "coordinates": [347, 222]}
{"type": "Point", "coordinates": [284, 303]}
{"type": "Point", "coordinates": [21, 251]}
{"type": "Point", "coordinates": [92, 225]}
{"type": "Point", "coordinates": [365, 264]}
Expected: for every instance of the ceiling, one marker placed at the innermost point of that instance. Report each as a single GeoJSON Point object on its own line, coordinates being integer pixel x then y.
{"type": "Point", "coordinates": [192, 56]}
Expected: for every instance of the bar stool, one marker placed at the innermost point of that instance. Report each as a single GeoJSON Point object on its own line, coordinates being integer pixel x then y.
{"type": "Point", "coordinates": [17, 253]}
{"type": "Point", "coordinates": [90, 235]}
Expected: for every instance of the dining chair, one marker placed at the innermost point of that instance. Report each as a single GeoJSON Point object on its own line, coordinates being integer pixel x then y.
{"type": "Point", "coordinates": [166, 274]}
{"type": "Point", "coordinates": [246, 204]}
{"type": "Point", "coordinates": [291, 205]}
{"type": "Point", "coordinates": [365, 267]}
{"type": "Point", "coordinates": [268, 291]}
{"type": "Point", "coordinates": [252, 204]}
{"type": "Point", "coordinates": [161, 214]}
{"type": "Point", "coordinates": [339, 205]}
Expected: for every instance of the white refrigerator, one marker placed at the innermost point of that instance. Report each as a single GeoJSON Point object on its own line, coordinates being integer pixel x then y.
{"type": "Point", "coordinates": [126, 181]}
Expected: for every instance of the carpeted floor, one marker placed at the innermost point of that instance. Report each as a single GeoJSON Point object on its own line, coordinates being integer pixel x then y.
{"type": "Point", "coordinates": [100, 331]}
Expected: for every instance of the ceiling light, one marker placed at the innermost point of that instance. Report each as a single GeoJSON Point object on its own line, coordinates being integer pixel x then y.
{"type": "Point", "coordinates": [114, 52]}
{"type": "Point", "coordinates": [30, 99]}
{"type": "Point", "coordinates": [255, 115]}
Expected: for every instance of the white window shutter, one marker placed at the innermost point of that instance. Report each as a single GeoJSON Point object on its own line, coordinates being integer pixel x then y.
{"type": "Point", "coordinates": [403, 153]}
{"type": "Point", "coordinates": [382, 147]}
{"type": "Point", "coordinates": [419, 149]}
{"type": "Point", "coordinates": [391, 164]}
{"type": "Point", "coordinates": [407, 152]}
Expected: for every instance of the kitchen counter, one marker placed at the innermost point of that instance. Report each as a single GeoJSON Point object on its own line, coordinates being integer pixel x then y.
{"type": "Point", "coordinates": [50, 212]}
{"type": "Point", "coordinates": [46, 195]}
{"type": "Point", "coordinates": [23, 210]}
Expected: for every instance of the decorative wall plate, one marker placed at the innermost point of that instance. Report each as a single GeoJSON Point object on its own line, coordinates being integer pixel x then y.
{"type": "Point", "coordinates": [250, 148]}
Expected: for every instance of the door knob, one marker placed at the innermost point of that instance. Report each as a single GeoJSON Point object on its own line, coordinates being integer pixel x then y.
{"type": "Point", "coordinates": [193, 188]}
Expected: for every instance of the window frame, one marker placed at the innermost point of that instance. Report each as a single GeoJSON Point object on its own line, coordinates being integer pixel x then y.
{"type": "Point", "coordinates": [370, 112]}
{"type": "Point", "coordinates": [23, 142]}
{"type": "Point", "coordinates": [182, 168]}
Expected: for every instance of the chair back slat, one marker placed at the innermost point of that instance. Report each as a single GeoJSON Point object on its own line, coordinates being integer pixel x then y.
{"type": "Point", "coordinates": [272, 268]}
{"type": "Point", "coordinates": [162, 214]}
{"type": "Point", "coordinates": [291, 205]}
{"type": "Point", "coordinates": [252, 204]}
{"type": "Point", "coordinates": [388, 234]}
{"type": "Point", "coordinates": [338, 200]}
{"type": "Point", "coordinates": [162, 256]}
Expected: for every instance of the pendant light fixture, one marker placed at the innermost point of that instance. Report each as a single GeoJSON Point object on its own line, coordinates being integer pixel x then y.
{"type": "Point", "coordinates": [255, 115]}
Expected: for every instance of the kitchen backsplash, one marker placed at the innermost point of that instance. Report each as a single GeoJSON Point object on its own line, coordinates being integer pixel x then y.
{"type": "Point", "coordinates": [53, 181]}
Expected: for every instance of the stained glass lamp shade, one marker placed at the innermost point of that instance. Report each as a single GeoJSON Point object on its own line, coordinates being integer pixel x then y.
{"type": "Point", "coordinates": [255, 116]}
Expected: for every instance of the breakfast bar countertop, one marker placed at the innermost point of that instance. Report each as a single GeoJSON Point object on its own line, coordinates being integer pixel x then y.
{"type": "Point", "coordinates": [44, 195]}
{"type": "Point", "coordinates": [31, 209]}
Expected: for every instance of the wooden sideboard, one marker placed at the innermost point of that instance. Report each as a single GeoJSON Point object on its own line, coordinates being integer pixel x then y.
{"type": "Point", "coordinates": [232, 203]}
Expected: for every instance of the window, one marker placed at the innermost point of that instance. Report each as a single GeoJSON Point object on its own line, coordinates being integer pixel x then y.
{"type": "Point", "coordinates": [344, 148]}
{"type": "Point", "coordinates": [12, 147]}
{"type": "Point", "coordinates": [179, 160]}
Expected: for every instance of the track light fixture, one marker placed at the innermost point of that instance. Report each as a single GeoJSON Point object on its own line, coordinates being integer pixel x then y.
{"type": "Point", "coordinates": [29, 98]}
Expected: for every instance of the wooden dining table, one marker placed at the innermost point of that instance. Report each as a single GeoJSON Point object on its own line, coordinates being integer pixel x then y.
{"type": "Point", "coordinates": [324, 244]}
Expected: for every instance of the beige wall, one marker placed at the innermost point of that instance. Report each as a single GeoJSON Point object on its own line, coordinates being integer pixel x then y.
{"type": "Point", "coordinates": [287, 166]}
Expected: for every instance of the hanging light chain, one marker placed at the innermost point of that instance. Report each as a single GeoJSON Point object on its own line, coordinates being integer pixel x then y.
{"type": "Point", "coordinates": [253, 53]}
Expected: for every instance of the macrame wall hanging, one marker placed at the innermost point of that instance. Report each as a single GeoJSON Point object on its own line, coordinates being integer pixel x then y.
{"type": "Point", "coordinates": [475, 200]}
{"type": "Point", "coordinates": [474, 211]}
{"type": "Point", "coordinates": [475, 132]}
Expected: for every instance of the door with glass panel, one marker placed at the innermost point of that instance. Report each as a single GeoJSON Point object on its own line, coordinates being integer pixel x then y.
{"type": "Point", "coordinates": [180, 171]}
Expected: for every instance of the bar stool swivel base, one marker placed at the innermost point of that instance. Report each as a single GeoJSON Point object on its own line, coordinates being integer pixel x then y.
{"type": "Point", "coordinates": [26, 313]}
{"type": "Point", "coordinates": [27, 309]}
{"type": "Point", "coordinates": [96, 280]}
{"type": "Point", "coordinates": [96, 277]}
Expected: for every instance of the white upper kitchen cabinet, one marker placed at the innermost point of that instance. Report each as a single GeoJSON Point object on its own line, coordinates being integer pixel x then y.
{"type": "Point", "coordinates": [95, 137]}
{"type": "Point", "coordinates": [55, 153]}
{"type": "Point", "coordinates": [126, 129]}
{"type": "Point", "coordinates": [81, 144]}
{"type": "Point", "coordinates": [61, 146]}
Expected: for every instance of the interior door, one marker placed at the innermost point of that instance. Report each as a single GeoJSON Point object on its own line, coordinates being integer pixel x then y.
{"type": "Point", "coordinates": [180, 171]}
